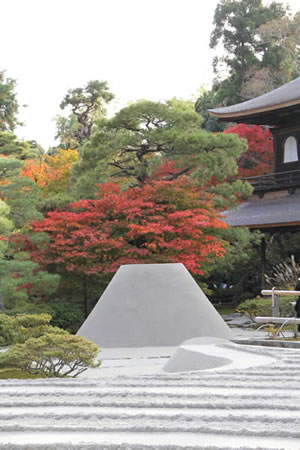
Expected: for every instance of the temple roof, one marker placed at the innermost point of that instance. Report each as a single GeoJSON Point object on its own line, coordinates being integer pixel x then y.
{"type": "Point", "coordinates": [281, 211]}
{"type": "Point", "coordinates": [261, 109]}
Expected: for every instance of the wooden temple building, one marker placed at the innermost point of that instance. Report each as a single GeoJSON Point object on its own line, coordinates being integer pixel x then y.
{"type": "Point", "coordinates": [275, 203]}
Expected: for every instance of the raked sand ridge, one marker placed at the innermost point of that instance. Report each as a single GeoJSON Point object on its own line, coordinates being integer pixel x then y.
{"type": "Point", "coordinates": [140, 407]}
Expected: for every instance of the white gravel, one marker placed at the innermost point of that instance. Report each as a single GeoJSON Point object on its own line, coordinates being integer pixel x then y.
{"type": "Point", "coordinates": [131, 404]}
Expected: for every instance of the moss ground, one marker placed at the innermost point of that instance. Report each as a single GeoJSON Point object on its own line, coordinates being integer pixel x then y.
{"type": "Point", "coordinates": [225, 309]}
{"type": "Point", "coordinates": [5, 374]}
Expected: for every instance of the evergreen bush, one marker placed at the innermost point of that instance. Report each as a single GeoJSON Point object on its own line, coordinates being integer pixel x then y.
{"type": "Point", "coordinates": [7, 334]}
{"type": "Point", "coordinates": [52, 355]}
{"type": "Point", "coordinates": [66, 315]}
{"type": "Point", "coordinates": [263, 307]}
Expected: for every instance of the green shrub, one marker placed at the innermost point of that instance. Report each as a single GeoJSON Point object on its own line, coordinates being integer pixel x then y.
{"type": "Point", "coordinates": [285, 307]}
{"type": "Point", "coordinates": [30, 308]}
{"type": "Point", "coordinates": [33, 326]}
{"type": "Point", "coordinates": [52, 355]}
{"type": "Point", "coordinates": [66, 315]}
{"type": "Point", "coordinates": [25, 326]}
{"type": "Point", "coordinates": [249, 308]}
{"type": "Point", "coordinates": [7, 333]}
{"type": "Point", "coordinates": [263, 307]}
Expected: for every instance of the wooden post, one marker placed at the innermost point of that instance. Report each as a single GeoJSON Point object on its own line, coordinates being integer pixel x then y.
{"type": "Point", "coordinates": [275, 304]}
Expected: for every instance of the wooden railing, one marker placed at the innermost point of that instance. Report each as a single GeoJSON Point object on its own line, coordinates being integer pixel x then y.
{"type": "Point", "coordinates": [273, 181]}
{"type": "Point", "coordinates": [274, 293]}
{"type": "Point", "coordinates": [276, 319]}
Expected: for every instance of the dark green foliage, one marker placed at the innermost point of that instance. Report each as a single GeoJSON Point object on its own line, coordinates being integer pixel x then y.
{"type": "Point", "coordinates": [236, 25]}
{"type": "Point", "coordinates": [252, 58]}
{"type": "Point", "coordinates": [66, 316]}
{"type": "Point", "coordinates": [239, 269]}
{"type": "Point", "coordinates": [11, 146]}
{"type": "Point", "coordinates": [21, 279]}
{"type": "Point", "coordinates": [22, 195]}
{"type": "Point", "coordinates": [9, 167]}
{"type": "Point", "coordinates": [206, 101]}
{"type": "Point", "coordinates": [7, 332]}
{"type": "Point", "coordinates": [23, 282]}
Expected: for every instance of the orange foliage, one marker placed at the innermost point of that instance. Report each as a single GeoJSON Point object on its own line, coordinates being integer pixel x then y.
{"type": "Point", "coordinates": [51, 173]}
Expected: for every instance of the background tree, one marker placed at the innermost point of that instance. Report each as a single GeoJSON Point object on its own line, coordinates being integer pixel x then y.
{"type": "Point", "coordinates": [51, 174]}
{"type": "Point", "coordinates": [205, 102]}
{"type": "Point", "coordinates": [85, 104]}
{"type": "Point", "coordinates": [21, 279]}
{"type": "Point", "coordinates": [66, 132]}
{"type": "Point", "coordinates": [254, 60]}
{"type": "Point", "coordinates": [132, 145]}
{"type": "Point", "coordinates": [19, 192]}
{"type": "Point", "coordinates": [8, 103]}
{"type": "Point", "coordinates": [6, 226]}
{"type": "Point", "coordinates": [236, 25]}
{"type": "Point", "coordinates": [281, 61]}
{"type": "Point", "coordinates": [10, 145]}
{"type": "Point", "coordinates": [236, 277]}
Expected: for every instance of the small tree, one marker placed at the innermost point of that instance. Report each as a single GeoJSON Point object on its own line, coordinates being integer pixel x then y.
{"type": "Point", "coordinates": [8, 103]}
{"type": "Point", "coordinates": [86, 103]}
{"type": "Point", "coordinates": [52, 355]}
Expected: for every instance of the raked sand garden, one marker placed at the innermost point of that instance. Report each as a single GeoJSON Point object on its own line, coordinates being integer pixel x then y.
{"type": "Point", "coordinates": [214, 391]}
{"type": "Point", "coordinates": [130, 402]}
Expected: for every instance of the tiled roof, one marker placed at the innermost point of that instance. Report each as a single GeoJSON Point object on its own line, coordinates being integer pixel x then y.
{"type": "Point", "coordinates": [284, 96]}
{"type": "Point", "coordinates": [266, 212]}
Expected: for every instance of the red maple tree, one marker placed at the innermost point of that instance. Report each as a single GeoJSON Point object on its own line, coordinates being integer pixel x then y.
{"type": "Point", "coordinates": [258, 159]}
{"type": "Point", "coordinates": [161, 222]}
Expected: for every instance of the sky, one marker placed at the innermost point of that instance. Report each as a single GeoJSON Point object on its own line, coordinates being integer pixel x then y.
{"type": "Point", "coordinates": [155, 50]}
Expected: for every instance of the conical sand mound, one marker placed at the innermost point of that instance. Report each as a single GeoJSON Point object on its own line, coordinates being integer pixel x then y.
{"type": "Point", "coordinates": [149, 305]}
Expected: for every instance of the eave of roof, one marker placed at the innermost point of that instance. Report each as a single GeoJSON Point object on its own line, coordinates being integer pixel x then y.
{"type": "Point", "coordinates": [283, 97]}
{"type": "Point", "coordinates": [266, 213]}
